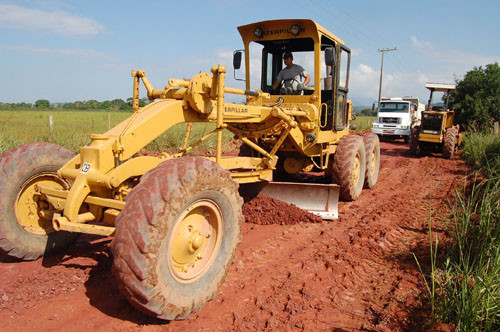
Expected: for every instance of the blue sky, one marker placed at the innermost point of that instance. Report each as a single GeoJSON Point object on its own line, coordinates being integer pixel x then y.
{"type": "Point", "coordinates": [67, 50]}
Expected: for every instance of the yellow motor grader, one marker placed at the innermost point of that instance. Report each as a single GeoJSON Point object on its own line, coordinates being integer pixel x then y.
{"type": "Point", "coordinates": [437, 132]}
{"type": "Point", "coordinates": [175, 219]}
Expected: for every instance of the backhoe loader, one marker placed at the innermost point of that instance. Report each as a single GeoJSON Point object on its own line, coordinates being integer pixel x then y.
{"type": "Point", "coordinates": [175, 218]}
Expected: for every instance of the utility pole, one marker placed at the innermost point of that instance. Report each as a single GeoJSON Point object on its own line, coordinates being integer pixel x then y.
{"type": "Point", "coordinates": [381, 71]}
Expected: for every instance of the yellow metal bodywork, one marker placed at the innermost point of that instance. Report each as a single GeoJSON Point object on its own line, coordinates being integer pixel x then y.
{"type": "Point", "coordinates": [447, 120]}
{"type": "Point", "coordinates": [105, 171]}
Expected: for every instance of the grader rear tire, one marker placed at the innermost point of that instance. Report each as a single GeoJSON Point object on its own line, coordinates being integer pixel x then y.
{"type": "Point", "coordinates": [450, 139]}
{"type": "Point", "coordinates": [372, 151]}
{"type": "Point", "coordinates": [176, 237]}
{"type": "Point", "coordinates": [349, 167]}
{"type": "Point", "coordinates": [24, 233]}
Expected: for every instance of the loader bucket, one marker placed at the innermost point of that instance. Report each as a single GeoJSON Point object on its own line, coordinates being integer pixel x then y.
{"type": "Point", "coordinates": [320, 199]}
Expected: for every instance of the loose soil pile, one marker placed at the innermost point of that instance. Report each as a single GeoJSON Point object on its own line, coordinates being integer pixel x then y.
{"type": "Point", "coordinates": [352, 274]}
{"type": "Point", "coordinates": [263, 210]}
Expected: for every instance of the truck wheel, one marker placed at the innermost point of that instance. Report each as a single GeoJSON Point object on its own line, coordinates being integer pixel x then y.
{"type": "Point", "coordinates": [414, 143]}
{"type": "Point", "coordinates": [450, 139]}
{"type": "Point", "coordinates": [26, 227]}
{"type": "Point", "coordinates": [406, 139]}
{"type": "Point", "coordinates": [176, 237]}
{"type": "Point", "coordinates": [372, 156]}
{"type": "Point", "coordinates": [349, 167]}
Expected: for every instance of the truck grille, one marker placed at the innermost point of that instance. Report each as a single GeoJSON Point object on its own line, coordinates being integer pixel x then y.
{"type": "Point", "coordinates": [390, 120]}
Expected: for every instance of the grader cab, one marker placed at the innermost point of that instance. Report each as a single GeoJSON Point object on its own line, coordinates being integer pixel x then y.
{"type": "Point", "coordinates": [175, 219]}
{"type": "Point", "coordinates": [437, 132]}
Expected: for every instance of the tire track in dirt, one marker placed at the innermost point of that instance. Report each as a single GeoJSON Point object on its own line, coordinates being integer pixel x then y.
{"type": "Point", "coordinates": [347, 275]}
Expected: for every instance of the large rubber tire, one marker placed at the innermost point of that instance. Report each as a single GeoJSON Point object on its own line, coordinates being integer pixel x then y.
{"type": "Point", "coordinates": [23, 234]}
{"type": "Point", "coordinates": [349, 167]}
{"type": "Point", "coordinates": [149, 243]}
{"type": "Point", "coordinates": [450, 140]}
{"type": "Point", "coordinates": [414, 143]}
{"type": "Point", "coordinates": [372, 156]}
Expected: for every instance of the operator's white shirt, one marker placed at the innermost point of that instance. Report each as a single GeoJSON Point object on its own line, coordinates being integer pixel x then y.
{"type": "Point", "coordinates": [292, 76]}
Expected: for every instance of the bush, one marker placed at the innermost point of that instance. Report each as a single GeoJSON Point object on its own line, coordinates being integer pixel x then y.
{"type": "Point", "coordinates": [482, 151]}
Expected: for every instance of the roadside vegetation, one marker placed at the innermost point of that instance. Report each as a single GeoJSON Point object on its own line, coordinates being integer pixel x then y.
{"type": "Point", "coordinates": [464, 283]}
{"type": "Point", "coordinates": [469, 281]}
{"type": "Point", "coordinates": [364, 122]}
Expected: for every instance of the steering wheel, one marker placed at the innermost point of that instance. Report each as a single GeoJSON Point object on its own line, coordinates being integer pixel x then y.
{"type": "Point", "coordinates": [289, 90]}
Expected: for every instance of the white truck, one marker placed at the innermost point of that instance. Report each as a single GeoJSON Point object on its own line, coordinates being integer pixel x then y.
{"type": "Point", "coordinates": [397, 116]}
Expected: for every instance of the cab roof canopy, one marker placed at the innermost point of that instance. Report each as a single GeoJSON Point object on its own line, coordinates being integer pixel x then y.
{"type": "Point", "coordinates": [443, 87]}
{"type": "Point", "coordinates": [274, 31]}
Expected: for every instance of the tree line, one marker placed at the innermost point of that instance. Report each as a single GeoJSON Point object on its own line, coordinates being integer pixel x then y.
{"type": "Point", "coordinates": [476, 100]}
{"type": "Point", "coordinates": [108, 105]}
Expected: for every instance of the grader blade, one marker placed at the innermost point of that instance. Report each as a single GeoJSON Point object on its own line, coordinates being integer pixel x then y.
{"type": "Point", "coordinates": [320, 199]}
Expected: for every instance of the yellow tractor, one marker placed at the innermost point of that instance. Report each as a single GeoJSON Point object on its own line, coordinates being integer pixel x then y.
{"type": "Point", "coordinates": [175, 219]}
{"type": "Point", "coordinates": [437, 132]}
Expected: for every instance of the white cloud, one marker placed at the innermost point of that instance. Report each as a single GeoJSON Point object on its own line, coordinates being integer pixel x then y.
{"type": "Point", "coordinates": [465, 60]}
{"type": "Point", "coordinates": [364, 84]}
{"type": "Point", "coordinates": [58, 22]}
{"type": "Point", "coordinates": [55, 51]}
{"type": "Point", "coordinates": [420, 44]}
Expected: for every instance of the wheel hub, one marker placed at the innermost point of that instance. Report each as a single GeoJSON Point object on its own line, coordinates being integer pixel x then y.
{"type": "Point", "coordinates": [195, 241]}
{"type": "Point", "coordinates": [32, 212]}
{"type": "Point", "coordinates": [373, 161]}
{"type": "Point", "coordinates": [356, 168]}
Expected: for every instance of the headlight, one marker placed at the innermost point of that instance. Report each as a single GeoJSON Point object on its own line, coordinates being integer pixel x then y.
{"type": "Point", "coordinates": [258, 32]}
{"type": "Point", "coordinates": [295, 30]}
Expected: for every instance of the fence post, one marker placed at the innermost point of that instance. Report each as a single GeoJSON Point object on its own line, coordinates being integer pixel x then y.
{"type": "Point", "coordinates": [495, 128]}
{"type": "Point", "coordinates": [109, 121]}
{"type": "Point", "coordinates": [51, 127]}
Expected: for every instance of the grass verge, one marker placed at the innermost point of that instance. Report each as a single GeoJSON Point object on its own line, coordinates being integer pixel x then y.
{"type": "Point", "coordinates": [470, 285]}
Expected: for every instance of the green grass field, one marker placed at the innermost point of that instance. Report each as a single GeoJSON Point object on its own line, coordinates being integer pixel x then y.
{"type": "Point", "coordinates": [72, 129]}
{"type": "Point", "coordinates": [364, 122]}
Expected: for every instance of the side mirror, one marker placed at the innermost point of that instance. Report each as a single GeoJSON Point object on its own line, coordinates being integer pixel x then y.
{"type": "Point", "coordinates": [373, 107]}
{"type": "Point", "coordinates": [237, 59]}
{"type": "Point", "coordinates": [330, 56]}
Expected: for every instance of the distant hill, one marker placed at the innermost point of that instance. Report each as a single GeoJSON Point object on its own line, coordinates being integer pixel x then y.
{"type": "Point", "coordinates": [357, 109]}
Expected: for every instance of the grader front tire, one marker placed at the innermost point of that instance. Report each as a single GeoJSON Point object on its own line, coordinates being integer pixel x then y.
{"type": "Point", "coordinates": [26, 226]}
{"type": "Point", "coordinates": [372, 150]}
{"type": "Point", "coordinates": [176, 237]}
{"type": "Point", "coordinates": [349, 167]}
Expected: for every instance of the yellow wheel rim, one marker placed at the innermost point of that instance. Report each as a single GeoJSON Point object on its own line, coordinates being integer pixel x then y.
{"type": "Point", "coordinates": [356, 169]}
{"type": "Point", "coordinates": [33, 213]}
{"type": "Point", "coordinates": [195, 241]}
{"type": "Point", "coordinates": [373, 161]}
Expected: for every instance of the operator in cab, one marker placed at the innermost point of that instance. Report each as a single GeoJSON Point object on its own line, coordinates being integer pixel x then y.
{"type": "Point", "coordinates": [291, 76]}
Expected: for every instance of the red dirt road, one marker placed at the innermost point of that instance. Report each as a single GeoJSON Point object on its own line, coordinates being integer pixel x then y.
{"type": "Point", "coordinates": [353, 274]}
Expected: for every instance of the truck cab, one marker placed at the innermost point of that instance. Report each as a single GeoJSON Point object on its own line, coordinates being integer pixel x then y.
{"type": "Point", "coordinates": [397, 116]}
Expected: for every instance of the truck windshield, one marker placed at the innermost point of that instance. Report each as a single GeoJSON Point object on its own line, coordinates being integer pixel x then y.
{"type": "Point", "coordinates": [393, 107]}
